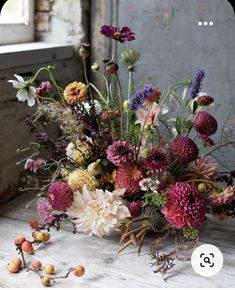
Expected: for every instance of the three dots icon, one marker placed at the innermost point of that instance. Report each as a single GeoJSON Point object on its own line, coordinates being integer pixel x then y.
{"type": "Point", "coordinates": [205, 23]}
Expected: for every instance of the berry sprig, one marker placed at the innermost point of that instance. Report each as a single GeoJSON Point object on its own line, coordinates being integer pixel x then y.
{"type": "Point", "coordinates": [25, 247]}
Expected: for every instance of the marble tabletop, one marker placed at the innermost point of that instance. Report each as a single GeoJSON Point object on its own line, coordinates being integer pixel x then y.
{"type": "Point", "coordinates": [104, 267]}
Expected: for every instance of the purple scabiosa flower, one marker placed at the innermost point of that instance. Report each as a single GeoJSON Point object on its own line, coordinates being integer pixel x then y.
{"type": "Point", "coordinates": [43, 88]}
{"type": "Point", "coordinates": [119, 152]}
{"type": "Point", "coordinates": [135, 208]}
{"type": "Point", "coordinates": [147, 94]}
{"type": "Point", "coordinates": [34, 165]}
{"type": "Point", "coordinates": [45, 210]}
{"type": "Point", "coordinates": [120, 34]}
{"type": "Point", "coordinates": [196, 83]}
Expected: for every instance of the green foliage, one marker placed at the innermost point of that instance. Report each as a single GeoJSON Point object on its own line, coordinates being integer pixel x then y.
{"type": "Point", "coordinates": [154, 199]}
{"type": "Point", "coordinates": [190, 234]}
{"type": "Point", "coordinates": [183, 125]}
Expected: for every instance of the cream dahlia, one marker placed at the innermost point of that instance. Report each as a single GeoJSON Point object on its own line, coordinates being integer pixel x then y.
{"type": "Point", "coordinates": [224, 197]}
{"type": "Point", "coordinates": [79, 177]}
{"type": "Point", "coordinates": [98, 212]}
{"type": "Point", "coordinates": [78, 151]}
{"type": "Point", "coordinates": [203, 167]}
{"type": "Point", "coordinates": [185, 206]}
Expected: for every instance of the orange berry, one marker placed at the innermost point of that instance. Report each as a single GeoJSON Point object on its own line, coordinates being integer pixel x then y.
{"type": "Point", "coordinates": [27, 247]}
{"type": "Point", "coordinates": [13, 268]}
{"type": "Point", "coordinates": [46, 237]}
{"type": "Point", "coordinates": [39, 236]}
{"type": "Point", "coordinates": [79, 271]}
{"type": "Point", "coordinates": [46, 281]}
{"type": "Point", "coordinates": [19, 240]}
{"type": "Point", "coordinates": [36, 265]}
{"type": "Point", "coordinates": [17, 261]}
{"type": "Point", "coordinates": [49, 269]}
{"type": "Point", "coordinates": [34, 224]}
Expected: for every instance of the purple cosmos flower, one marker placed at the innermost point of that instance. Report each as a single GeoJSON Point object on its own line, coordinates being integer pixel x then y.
{"type": "Point", "coordinates": [33, 165]}
{"type": "Point", "coordinates": [146, 94]}
{"type": "Point", "coordinates": [45, 210]}
{"type": "Point", "coordinates": [43, 88]}
{"type": "Point", "coordinates": [121, 34]}
{"type": "Point", "coordinates": [196, 83]}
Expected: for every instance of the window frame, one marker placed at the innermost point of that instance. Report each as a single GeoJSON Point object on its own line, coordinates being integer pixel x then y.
{"type": "Point", "coordinates": [20, 32]}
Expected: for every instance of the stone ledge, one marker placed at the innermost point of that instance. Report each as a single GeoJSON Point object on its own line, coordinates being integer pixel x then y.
{"type": "Point", "coordinates": [18, 55]}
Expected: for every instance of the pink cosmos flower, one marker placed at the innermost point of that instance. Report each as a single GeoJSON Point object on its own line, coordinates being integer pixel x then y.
{"type": "Point", "coordinates": [148, 114]}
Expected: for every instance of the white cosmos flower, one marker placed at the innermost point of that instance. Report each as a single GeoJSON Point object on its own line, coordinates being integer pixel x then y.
{"type": "Point", "coordinates": [98, 212]}
{"type": "Point", "coordinates": [26, 91]}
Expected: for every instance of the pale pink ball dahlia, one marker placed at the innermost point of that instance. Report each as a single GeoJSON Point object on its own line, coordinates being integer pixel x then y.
{"type": "Point", "coordinates": [60, 195]}
{"type": "Point", "coordinates": [224, 197]}
{"type": "Point", "coordinates": [184, 149]}
{"type": "Point", "coordinates": [185, 206]}
{"type": "Point", "coordinates": [204, 123]}
{"type": "Point", "coordinates": [119, 152]}
{"type": "Point", "coordinates": [128, 176]}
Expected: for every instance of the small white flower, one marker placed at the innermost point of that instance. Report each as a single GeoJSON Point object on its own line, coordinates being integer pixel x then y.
{"type": "Point", "coordinates": [145, 183]}
{"type": "Point", "coordinates": [98, 107]}
{"type": "Point", "coordinates": [26, 91]}
{"type": "Point", "coordinates": [98, 212]}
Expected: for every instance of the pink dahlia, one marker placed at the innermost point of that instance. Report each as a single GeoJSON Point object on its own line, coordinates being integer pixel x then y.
{"type": "Point", "coordinates": [224, 197]}
{"type": "Point", "coordinates": [185, 206]}
{"type": "Point", "coordinates": [45, 210]}
{"type": "Point", "coordinates": [204, 123]}
{"type": "Point", "coordinates": [128, 176]}
{"type": "Point", "coordinates": [156, 160]}
{"type": "Point", "coordinates": [184, 149]}
{"type": "Point", "coordinates": [119, 152]}
{"type": "Point", "coordinates": [60, 195]}
{"type": "Point", "coordinates": [135, 208]}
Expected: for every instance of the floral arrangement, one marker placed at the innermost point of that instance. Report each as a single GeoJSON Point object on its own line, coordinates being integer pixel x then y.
{"type": "Point", "coordinates": [117, 160]}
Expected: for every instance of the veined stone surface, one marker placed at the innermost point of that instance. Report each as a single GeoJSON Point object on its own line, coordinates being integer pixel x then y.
{"type": "Point", "coordinates": [104, 268]}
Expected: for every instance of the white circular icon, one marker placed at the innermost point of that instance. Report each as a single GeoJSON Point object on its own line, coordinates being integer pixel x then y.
{"type": "Point", "coordinates": [207, 260]}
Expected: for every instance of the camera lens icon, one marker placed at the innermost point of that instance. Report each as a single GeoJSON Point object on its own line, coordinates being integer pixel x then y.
{"type": "Point", "coordinates": [207, 260]}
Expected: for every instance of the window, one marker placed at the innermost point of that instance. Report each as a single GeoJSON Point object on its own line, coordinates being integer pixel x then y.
{"type": "Point", "coordinates": [17, 22]}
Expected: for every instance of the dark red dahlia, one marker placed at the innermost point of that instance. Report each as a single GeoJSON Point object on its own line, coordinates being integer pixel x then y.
{"type": "Point", "coordinates": [156, 160]}
{"type": "Point", "coordinates": [60, 195]}
{"type": "Point", "coordinates": [205, 100]}
{"type": "Point", "coordinates": [135, 208]}
{"type": "Point", "coordinates": [120, 34]}
{"type": "Point", "coordinates": [184, 149]}
{"type": "Point", "coordinates": [128, 176]}
{"type": "Point", "coordinates": [204, 123]}
{"type": "Point", "coordinates": [185, 206]}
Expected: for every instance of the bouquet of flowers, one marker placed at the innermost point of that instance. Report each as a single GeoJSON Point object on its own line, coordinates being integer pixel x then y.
{"type": "Point", "coordinates": [124, 159]}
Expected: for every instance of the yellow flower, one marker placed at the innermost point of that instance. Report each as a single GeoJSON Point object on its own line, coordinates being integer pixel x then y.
{"type": "Point", "coordinates": [75, 93]}
{"type": "Point", "coordinates": [80, 177]}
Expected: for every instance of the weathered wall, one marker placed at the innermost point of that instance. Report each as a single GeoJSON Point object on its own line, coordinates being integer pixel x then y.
{"type": "Point", "coordinates": [62, 21]}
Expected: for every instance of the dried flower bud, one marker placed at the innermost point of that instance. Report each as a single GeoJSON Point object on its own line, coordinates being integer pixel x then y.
{"type": "Point", "coordinates": [130, 56]}
{"type": "Point", "coordinates": [85, 50]}
{"type": "Point", "coordinates": [112, 67]}
{"type": "Point", "coordinates": [107, 115]}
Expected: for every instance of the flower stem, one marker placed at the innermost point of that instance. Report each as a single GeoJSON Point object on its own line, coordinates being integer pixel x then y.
{"type": "Point", "coordinates": [120, 103]}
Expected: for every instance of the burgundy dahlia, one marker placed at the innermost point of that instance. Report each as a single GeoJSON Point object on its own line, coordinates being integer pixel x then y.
{"type": "Point", "coordinates": [128, 176]}
{"type": "Point", "coordinates": [204, 123]}
{"type": "Point", "coordinates": [184, 149]}
{"type": "Point", "coordinates": [60, 195]}
{"type": "Point", "coordinates": [204, 100]}
{"type": "Point", "coordinates": [120, 34]}
{"type": "Point", "coordinates": [119, 152]}
{"type": "Point", "coordinates": [185, 206]}
{"type": "Point", "coordinates": [156, 160]}
{"type": "Point", "coordinates": [135, 208]}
